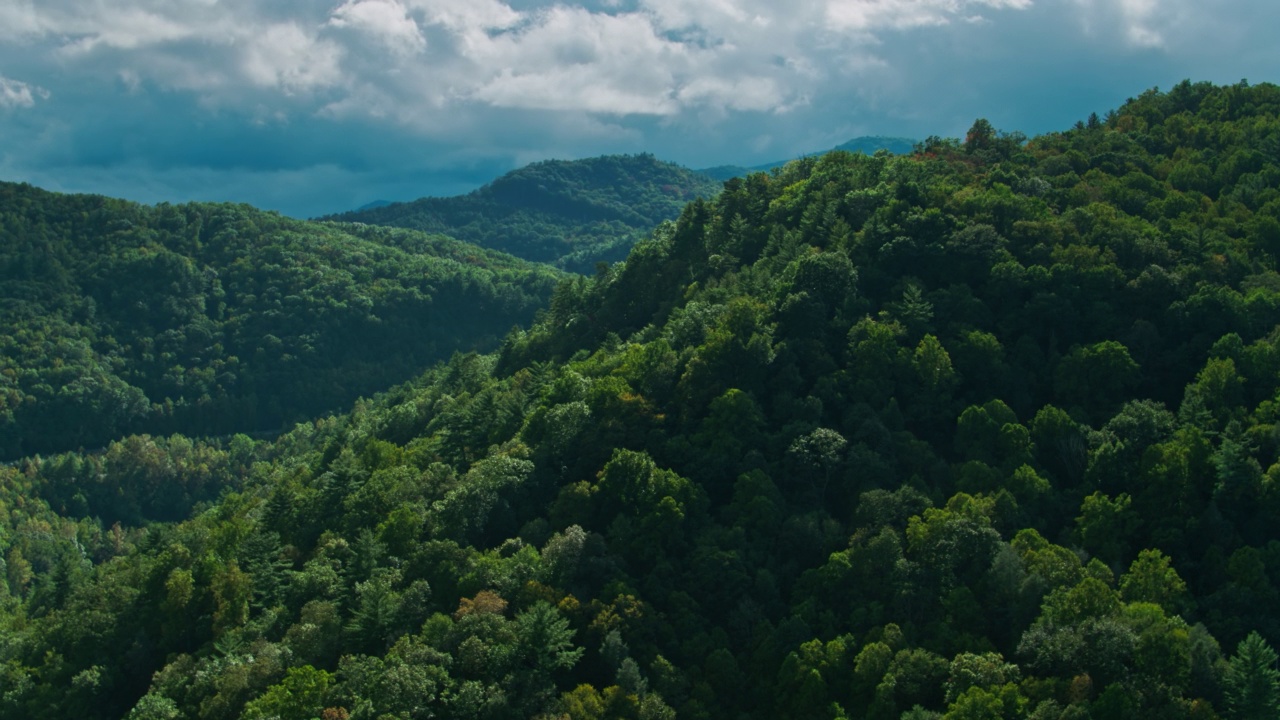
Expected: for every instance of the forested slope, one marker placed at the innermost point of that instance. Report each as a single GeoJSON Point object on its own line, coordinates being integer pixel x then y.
{"type": "Point", "coordinates": [572, 214]}
{"type": "Point", "coordinates": [212, 319]}
{"type": "Point", "coordinates": [984, 432]}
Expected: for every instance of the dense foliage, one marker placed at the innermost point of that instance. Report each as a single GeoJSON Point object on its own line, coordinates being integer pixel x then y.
{"type": "Point", "coordinates": [989, 431]}
{"type": "Point", "coordinates": [572, 214]}
{"type": "Point", "coordinates": [212, 319]}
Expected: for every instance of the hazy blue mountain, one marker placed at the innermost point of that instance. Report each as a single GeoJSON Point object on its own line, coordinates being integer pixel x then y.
{"type": "Point", "coordinates": [867, 145]}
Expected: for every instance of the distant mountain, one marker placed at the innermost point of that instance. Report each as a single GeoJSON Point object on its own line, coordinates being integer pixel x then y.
{"type": "Point", "coordinates": [571, 214]}
{"type": "Point", "coordinates": [867, 145]}
{"type": "Point", "coordinates": [728, 172]}
{"type": "Point", "coordinates": [217, 318]}
{"type": "Point", "coordinates": [374, 204]}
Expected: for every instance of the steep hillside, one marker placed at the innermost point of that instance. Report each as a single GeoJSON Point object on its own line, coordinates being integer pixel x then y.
{"type": "Point", "coordinates": [212, 319]}
{"type": "Point", "coordinates": [572, 214]}
{"type": "Point", "coordinates": [989, 430]}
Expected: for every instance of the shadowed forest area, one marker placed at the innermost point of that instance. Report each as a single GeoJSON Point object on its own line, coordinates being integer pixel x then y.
{"type": "Point", "coordinates": [211, 319]}
{"type": "Point", "coordinates": [571, 214]}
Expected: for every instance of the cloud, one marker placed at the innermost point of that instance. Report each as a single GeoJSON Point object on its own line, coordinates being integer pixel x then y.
{"type": "Point", "coordinates": [402, 60]}
{"type": "Point", "coordinates": [81, 27]}
{"type": "Point", "coordinates": [468, 18]}
{"type": "Point", "coordinates": [572, 59]}
{"type": "Point", "coordinates": [873, 15]}
{"type": "Point", "coordinates": [16, 94]}
{"type": "Point", "coordinates": [128, 29]}
{"type": "Point", "coordinates": [386, 20]}
{"type": "Point", "coordinates": [1145, 24]}
{"type": "Point", "coordinates": [285, 56]}
{"type": "Point", "coordinates": [408, 89]}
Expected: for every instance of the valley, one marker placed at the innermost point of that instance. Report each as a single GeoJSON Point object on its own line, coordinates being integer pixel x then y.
{"type": "Point", "coordinates": [985, 430]}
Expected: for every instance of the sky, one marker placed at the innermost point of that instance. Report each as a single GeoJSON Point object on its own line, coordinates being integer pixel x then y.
{"type": "Point", "coordinates": [316, 106]}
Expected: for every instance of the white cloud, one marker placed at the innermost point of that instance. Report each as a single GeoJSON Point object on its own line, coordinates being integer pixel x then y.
{"type": "Point", "coordinates": [714, 15]}
{"type": "Point", "coordinates": [405, 59]}
{"type": "Point", "coordinates": [870, 16]}
{"type": "Point", "coordinates": [286, 57]}
{"type": "Point", "coordinates": [751, 94]}
{"type": "Point", "coordinates": [1142, 23]}
{"type": "Point", "coordinates": [128, 29]}
{"type": "Point", "coordinates": [571, 59]}
{"type": "Point", "coordinates": [468, 17]}
{"type": "Point", "coordinates": [386, 20]}
{"type": "Point", "coordinates": [82, 26]}
{"type": "Point", "coordinates": [19, 19]}
{"type": "Point", "coordinates": [17, 94]}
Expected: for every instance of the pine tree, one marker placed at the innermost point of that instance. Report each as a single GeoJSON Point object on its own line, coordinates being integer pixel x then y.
{"type": "Point", "coordinates": [1253, 682]}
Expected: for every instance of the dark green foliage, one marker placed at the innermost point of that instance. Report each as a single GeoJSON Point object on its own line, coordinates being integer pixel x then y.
{"type": "Point", "coordinates": [1252, 680]}
{"type": "Point", "coordinates": [214, 319]}
{"type": "Point", "coordinates": [987, 431]}
{"type": "Point", "coordinates": [572, 214]}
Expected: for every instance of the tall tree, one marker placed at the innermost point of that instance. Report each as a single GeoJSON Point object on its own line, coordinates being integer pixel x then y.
{"type": "Point", "coordinates": [1253, 682]}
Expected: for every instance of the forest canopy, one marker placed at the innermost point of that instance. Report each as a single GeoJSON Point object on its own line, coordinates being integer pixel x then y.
{"type": "Point", "coordinates": [215, 319]}
{"type": "Point", "coordinates": [986, 431]}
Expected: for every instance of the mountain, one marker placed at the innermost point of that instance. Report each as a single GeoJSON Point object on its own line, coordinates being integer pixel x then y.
{"type": "Point", "coordinates": [212, 319]}
{"type": "Point", "coordinates": [988, 430]}
{"type": "Point", "coordinates": [868, 145]}
{"type": "Point", "coordinates": [572, 214]}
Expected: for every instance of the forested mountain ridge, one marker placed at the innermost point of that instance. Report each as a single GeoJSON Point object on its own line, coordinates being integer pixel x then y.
{"type": "Point", "coordinates": [572, 214]}
{"type": "Point", "coordinates": [989, 431]}
{"type": "Point", "coordinates": [868, 144]}
{"type": "Point", "coordinates": [212, 319]}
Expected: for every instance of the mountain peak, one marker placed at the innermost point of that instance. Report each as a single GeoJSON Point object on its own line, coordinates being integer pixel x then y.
{"type": "Point", "coordinates": [571, 213]}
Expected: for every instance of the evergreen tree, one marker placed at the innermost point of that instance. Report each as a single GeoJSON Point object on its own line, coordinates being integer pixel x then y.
{"type": "Point", "coordinates": [1253, 682]}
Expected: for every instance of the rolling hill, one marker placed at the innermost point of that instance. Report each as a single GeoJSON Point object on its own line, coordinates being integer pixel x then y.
{"type": "Point", "coordinates": [214, 319]}
{"type": "Point", "coordinates": [571, 214]}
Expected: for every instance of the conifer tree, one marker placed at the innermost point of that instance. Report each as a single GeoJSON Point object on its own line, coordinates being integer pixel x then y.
{"type": "Point", "coordinates": [1253, 682]}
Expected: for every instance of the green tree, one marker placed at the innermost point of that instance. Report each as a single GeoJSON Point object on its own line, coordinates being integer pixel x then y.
{"type": "Point", "coordinates": [544, 648]}
{"type": "Point", "coordinates": [300, 696]}
{"type": "Point", "coordinates": [1094, 377]}
{"type": "Point", "coordinates": [1105, 526]}
{"type": "Point", "coordinates": [1252, 682]}
{"type": "Point", "coordinates": [1151, 578]}
{"type": "Point", "coordinates": [154, 707]}
{"type": "Point", "coordinates": [818, 455]}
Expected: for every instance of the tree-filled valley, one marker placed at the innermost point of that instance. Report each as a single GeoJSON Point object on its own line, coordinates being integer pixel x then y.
{"type": "Point", "coordinates": [984, 431]}
{"type": "Point", "coordinates": [213, 319]}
